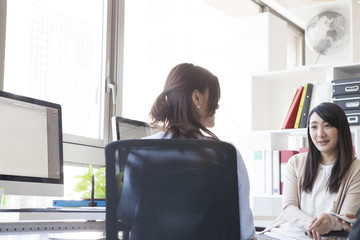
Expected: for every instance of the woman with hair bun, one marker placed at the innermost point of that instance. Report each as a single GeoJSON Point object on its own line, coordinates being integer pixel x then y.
{"type": "Point", "coordinates": [186, 109]}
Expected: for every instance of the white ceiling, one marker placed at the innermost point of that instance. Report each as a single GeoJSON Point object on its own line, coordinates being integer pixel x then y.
{"type": "Point", "coordinates": [298, 11]}
{"type": "Point", "coordinates": [293, 4]}
{"type": "Point", "coordinates": [301, 11]}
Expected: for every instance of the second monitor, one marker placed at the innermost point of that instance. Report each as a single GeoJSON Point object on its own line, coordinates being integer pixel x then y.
{"type": "Point", "coordinates": [124, 128]}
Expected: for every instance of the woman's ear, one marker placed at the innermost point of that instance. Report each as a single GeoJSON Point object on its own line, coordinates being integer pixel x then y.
{"type": "Point", "coordinates": [196, 97]}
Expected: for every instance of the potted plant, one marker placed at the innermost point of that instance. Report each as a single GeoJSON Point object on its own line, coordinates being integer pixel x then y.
{"type": "Point", "coordinates": [84, 185]}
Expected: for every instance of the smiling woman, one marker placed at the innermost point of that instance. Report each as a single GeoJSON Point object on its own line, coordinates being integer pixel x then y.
{"type": "Point", "coordinates": [325, 138]}
{"type": "Point", "coordinates": [322, 181]}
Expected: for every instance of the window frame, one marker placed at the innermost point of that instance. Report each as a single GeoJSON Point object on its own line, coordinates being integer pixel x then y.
{"type": "Point", "coordinates": [112, 75]}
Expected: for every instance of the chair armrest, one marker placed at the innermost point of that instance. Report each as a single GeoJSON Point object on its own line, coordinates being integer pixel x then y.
{"type": "Point", "coordinates": [259, 229]}
{"type": "Point", "coordinates": [342, 234]}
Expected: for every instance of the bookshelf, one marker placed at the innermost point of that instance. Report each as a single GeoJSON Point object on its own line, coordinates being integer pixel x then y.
{"type": "Point", "coordinates": [272, 94]}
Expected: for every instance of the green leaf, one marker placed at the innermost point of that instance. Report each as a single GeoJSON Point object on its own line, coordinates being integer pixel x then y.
{"type": "Point", "coordinates": [99, 195]}
{"type": "Point", "coordinates": [82, 186]}
{"type": "Point", "coordinates": [100, 172]}
{"type": "Point", "coordinates": [90, 170]}
{"type": "Point", "coordinates": [86, 195]}
{"type": "Point", "coordinates": [84, 177]}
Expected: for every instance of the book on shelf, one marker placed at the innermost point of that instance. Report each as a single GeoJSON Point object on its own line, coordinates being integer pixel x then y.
{"type": "Point", "coordinates": [320, 93]}
{"type": "Point", "coordinates": [268, 172]}
{"type": "Point", "coordinates": [290, 118]}
{"type": "Point", "coordinates": [276, 172]}
{"type": "Point", "coordinates": [262, 172]}
{"type": "Point", "coordinates": [259, 173]}
{"type": "Point", "coordinates": [285, 155]}
{"type": "Point", "coordinates": [301, 105]}
{"type": "Point", "coordinates": [303, 149]}
{"type": "Point", "coordinates": [306, 106]}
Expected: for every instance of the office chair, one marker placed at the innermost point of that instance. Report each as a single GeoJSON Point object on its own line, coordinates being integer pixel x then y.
{"type": "Point", "coordinates": [172, 189]}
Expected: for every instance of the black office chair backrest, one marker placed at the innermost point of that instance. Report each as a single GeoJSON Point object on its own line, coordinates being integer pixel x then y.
{"type": "Point", "coordinates": [173, 189]}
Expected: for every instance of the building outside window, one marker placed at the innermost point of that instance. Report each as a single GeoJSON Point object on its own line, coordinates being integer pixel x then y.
{"type": "Point", "coordinates": [55, 52]}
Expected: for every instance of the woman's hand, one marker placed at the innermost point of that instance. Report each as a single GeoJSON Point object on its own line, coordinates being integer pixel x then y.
{"type": "Point", "coordinates": [319, 225]}
{"type": "Point", "coordinates": [312, 233]}
{"type": "Point", "coordinates": [347, 225]}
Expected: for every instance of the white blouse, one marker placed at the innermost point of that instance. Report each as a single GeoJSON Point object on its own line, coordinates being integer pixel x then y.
{"type": "Point", "coordinates": [319, 200]}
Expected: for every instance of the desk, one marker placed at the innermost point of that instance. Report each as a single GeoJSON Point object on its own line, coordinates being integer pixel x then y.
{"type": "Point", "coordinates": [51, 229]}
{"type": "Point", "coordinates": [39, 224]}
{"type": "Point", "coordinates": [34, 214]}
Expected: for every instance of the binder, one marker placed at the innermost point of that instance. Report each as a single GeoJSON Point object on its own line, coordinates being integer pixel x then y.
{"type": "Point", "coordinates": [276, 172]}
{"type": "Point", "coordinates": [301, 105]}
{"type": "Point", "coordinates": [259, 167]}
{"type": "Point", "coordinates": [290, 118]}
{"type": "Point", "coordinates": [268, 171]}
{"type": "Point", "coordinates": [320, 93]}
{"type": "Point", "coordinates": [285, 155]}
{"type": "Point", "coordinates": [306, 107]}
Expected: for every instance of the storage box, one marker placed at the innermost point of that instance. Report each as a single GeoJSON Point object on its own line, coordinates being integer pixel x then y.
{"type": "Point", "coordinates": [345, 87]}
{"type": "Point", "coordinates": [348, 102]}
{"type": "Point", "coordinates": [353, 117]}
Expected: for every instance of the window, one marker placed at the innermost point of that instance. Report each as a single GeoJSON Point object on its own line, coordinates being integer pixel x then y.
{"type": "Point", "coordinates": [55, 51]}
{"type": "Point", "coordinates": [295, 47]}
{"type": "Point", "coordinates": [162, 33]}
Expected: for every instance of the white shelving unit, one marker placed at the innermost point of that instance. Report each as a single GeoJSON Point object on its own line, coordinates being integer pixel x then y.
{"type": "Point", "coordinates": [272, 94]}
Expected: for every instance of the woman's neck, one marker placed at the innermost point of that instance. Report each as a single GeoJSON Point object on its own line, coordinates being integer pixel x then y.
{"type": "Point", "coordinates": [328, 159]}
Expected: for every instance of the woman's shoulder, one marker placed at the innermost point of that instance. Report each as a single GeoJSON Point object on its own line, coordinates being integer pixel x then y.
{"type": "Point", "coordinates": [354, 170]}
{"type": "Point", "coordinates": [356, 164]}
{"type": "Point", "coordinates": [158, 135]}
{"type": "Point", "coordinates": [298, 159]}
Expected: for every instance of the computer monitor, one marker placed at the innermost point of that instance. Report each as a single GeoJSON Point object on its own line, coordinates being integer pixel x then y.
{"type": "Point", "coordinates": [31, 147]}
{"type": "Point", "coordinates": [124, 128]}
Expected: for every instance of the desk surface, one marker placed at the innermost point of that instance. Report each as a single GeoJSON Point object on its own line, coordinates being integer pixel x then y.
{"type": "Point", "coordinates": [30, 220]}
{"type": "Point", "coordinates": [35, 214]}
{"type": "Point", "coordinates": [51, 226]}
{"type": "Point", "coordinates": [43, 224]}
{"type": "Point", "coordinates": [57, 209]}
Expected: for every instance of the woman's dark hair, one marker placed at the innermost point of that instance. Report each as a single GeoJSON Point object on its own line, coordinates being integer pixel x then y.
{"type": "Point", "coordinates": [173, 107]}
{"type": "Point", "coordinates": [335, 116]}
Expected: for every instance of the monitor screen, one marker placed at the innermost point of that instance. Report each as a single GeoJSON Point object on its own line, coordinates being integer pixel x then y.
{"type": "Point", "coordinates": [31, 150]}
{"type": "Point", "coordinates": [124, 128]}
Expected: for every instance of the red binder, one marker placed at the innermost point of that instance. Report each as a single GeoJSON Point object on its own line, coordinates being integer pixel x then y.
{"type": "Point", "coordinates": [285, 155]}
{"type": "Point", "coordinates": [290, 118]}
